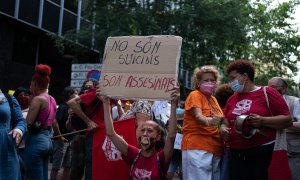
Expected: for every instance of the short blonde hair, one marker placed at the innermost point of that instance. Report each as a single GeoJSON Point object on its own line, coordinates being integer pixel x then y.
{"type": "Point", "coordinates": [198, 73]}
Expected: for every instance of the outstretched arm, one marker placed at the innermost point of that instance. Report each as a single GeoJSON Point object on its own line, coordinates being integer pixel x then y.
{"type": "Point", "coordinates": [118, 141]}
{"type": "Point", "coordinates": [169, 145]}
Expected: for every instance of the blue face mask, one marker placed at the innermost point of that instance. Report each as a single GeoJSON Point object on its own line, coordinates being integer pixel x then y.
{"type": "Point", "coordinates": [236, 86]}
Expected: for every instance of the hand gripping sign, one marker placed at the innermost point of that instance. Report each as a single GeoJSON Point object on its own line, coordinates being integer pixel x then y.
{"type": "Point", "coordinates": [140, 67]}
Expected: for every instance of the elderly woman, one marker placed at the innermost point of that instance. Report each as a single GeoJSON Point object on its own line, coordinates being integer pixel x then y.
{"type": "Point", "coordinates": [250, 157]}
{"type": "Point", "coordinates": [41, 115]}
{"type": "Point", "coordinates": [201, 143]}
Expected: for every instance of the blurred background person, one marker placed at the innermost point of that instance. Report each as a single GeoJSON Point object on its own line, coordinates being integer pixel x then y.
{"type": "Point", "coordinates": [41, 115]}
{"type": "Point", "coordinates": [293, 132]}
{"type": "Point", "coordinates": [175, 166]}
{"type": "Point", "coordinates": [23, 96]}
{"type": "Point", "coordinates": [61, 146]}
{"type": "Point", "coordinates": [89, 110]}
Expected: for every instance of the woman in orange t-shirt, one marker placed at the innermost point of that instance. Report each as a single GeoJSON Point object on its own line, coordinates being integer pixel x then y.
{"type": "Point", "coordinates": [201, 143]}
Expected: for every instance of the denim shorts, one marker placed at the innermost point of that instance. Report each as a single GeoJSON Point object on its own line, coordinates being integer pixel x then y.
{"type": "Point", "coordinates": [61, 155]}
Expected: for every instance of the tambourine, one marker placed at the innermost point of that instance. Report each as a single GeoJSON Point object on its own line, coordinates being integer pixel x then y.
{"type": "Point", "coordinates": [244, 127]}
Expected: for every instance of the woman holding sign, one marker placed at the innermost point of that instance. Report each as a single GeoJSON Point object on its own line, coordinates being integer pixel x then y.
{"type": "Point", "coordinates": [201, 143]}
{"type": "Point", "coordinates": [147, 162]}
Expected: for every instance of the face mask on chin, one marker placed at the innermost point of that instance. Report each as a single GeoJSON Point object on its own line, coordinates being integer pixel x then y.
{"type": "Point", "coordinates": [147, 143]}
{"type": "Point", "coordinates": [236, 86]}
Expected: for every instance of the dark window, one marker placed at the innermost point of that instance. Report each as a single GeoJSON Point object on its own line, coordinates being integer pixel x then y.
{"type": "Point", "coordinates": [51, 17]}
{"type": "Point", "coordinates": [71, 5]}
{"type": "Point", "coordinates": [29, 11]}
{"type": "Point", "coordinates": [55, 1]}
{"type": "Point", "coordinates": [24, 49]}
{"type": "Point", "coordinates": [69, 21]}
{"type": "Point", "coordinates": [7, 6]}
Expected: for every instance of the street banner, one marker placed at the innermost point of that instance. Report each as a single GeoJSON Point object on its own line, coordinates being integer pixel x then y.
{"type": "Point", "coordinates": [140, 67]}
{"type": "Point", "coordinates": [107, 161]}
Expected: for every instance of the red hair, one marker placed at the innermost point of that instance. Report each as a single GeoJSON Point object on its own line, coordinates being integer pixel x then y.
{"type": "Point", "coordinates": [41, 75]}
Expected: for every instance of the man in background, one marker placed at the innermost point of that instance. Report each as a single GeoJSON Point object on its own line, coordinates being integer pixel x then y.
{"type": "Point", "coordinates": [293, 132]}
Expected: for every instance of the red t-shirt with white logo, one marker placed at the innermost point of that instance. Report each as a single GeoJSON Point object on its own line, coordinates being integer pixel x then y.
{"type": "Point", "coordinates": [253, 102]}
{"type": "Point", "coordinates": [145, 167]}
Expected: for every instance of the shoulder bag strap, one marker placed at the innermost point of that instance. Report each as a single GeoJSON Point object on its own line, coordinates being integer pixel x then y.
{"type": "Point", "coordinates": [280, 141]}
{"type": "Point", "coordinates": [134, 162]}
{"type": "Point", "coordinates": [267, 99]}
{"type": "Point", "coordinates": [161, 173]}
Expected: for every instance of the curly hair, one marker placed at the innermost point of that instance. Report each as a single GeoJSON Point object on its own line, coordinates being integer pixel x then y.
{"type": "Point", "coordinates": [198, 73]}
{"type": "Point", "coordinates": [242, 66]}
{"type": "Point", "coordinates": [42, 75]}
{"type": "Point", "coordinates": [222, 94]}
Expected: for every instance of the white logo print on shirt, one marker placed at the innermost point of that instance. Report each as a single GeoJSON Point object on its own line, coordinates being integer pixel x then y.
{"type": "Point", "coordinates": [242, 107]}
{"type": "Point", "coordinates": [142, 174]}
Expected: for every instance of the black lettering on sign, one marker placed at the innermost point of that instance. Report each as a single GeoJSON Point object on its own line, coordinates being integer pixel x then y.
{"type": "Point", "coordinates": [148, 47]}
{"type": "Point", "coordinates": [119, 46]}
{"type": "Point", "coordinates": [138, 59]}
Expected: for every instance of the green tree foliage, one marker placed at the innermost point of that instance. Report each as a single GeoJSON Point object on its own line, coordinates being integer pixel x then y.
{"type": "Point", "coordinates": [275, 44]}
{"type": "Point", "coordinates": [213, 31]}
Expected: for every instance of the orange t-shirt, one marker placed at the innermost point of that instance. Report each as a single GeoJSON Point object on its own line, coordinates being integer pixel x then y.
{"type": "Point", "coordinates": [197, 136]}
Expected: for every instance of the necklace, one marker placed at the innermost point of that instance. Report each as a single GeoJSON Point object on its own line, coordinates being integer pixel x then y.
{"type": "Point", "coordinates": [214, 110]}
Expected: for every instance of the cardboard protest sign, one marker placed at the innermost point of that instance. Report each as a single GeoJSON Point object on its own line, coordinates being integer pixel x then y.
{"type": "Point", "coordinates": [140, 67]}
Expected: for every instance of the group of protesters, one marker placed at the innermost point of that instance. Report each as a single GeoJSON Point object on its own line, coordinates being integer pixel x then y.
{"type": "Point", "coordinates": [213, 146]}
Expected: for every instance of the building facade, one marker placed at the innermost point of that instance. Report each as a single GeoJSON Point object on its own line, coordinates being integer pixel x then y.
{"type": "Point", "coordinates": [28, 36]}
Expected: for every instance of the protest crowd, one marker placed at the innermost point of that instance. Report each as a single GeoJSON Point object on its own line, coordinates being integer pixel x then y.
{"type": "Point", "coordinates": [221, 131]}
